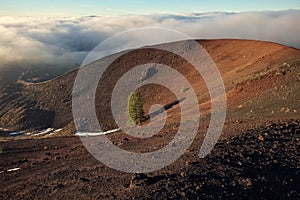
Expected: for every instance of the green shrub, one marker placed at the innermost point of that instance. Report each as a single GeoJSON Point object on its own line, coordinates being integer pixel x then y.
{"type": "Point", "coordinates": [135, 108]}
{"type": "Point", "coordinates": [183, 89]}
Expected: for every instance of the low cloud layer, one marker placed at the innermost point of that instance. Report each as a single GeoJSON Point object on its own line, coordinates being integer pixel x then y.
{"type": "Point", "coordinates": [64, 42]}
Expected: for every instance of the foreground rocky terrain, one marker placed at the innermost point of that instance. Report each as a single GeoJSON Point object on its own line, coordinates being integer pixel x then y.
{"type": "Point", "coordinates": [260, 163]}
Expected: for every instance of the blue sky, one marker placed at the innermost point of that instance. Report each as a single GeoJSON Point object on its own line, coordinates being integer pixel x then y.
{"type": "Point", "coordinates": [119, 7]}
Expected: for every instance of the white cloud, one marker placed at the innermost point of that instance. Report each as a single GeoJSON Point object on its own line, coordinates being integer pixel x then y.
{"type": "Point", "coordinates": [33, 42]}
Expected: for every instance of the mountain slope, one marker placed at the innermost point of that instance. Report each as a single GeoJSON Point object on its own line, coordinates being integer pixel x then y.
{"type": "Point", "coordinates": [261, 80]}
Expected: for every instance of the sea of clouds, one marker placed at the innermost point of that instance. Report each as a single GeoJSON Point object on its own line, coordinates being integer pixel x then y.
{"type": "Point", "coordinates": [65, 42]}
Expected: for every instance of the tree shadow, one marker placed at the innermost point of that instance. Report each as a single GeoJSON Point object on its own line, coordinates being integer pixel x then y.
{"type": "Point", "coordinates": [166, 107]}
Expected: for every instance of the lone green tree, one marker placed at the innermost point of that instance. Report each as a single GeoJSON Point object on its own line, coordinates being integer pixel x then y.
{"type": "Point", "coordinates": [135, 108]}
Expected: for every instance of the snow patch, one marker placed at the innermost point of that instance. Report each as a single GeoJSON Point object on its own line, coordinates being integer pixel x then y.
{"type": "Point", "coordinates": [57, 130]}
{"type": "Point", "coordinates": [3, 129]}
{"type": "Point", "coordinates": [33, 133]}
{"type": "Point", "coordinates": [97, 133]}
{"type": "Point", "coordinates": [13, 169]}
{"type": "Point", "coordinates": [10, 170]}
{"type": "Point", "coordinates": [16, 133]}
{"type": "Point", "coordinates": [43, 132]}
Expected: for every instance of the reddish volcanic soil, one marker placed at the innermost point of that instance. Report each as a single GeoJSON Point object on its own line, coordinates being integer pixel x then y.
{"type": "Point", "coordinates": [257, 156]}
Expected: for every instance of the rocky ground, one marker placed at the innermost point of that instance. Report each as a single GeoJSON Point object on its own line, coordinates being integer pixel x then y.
{"type": "Point", "coordinates": [260, 163]}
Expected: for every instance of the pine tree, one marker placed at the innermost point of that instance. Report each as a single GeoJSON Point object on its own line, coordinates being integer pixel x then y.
{"type": "Point", "coordinates": [135, 108]}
